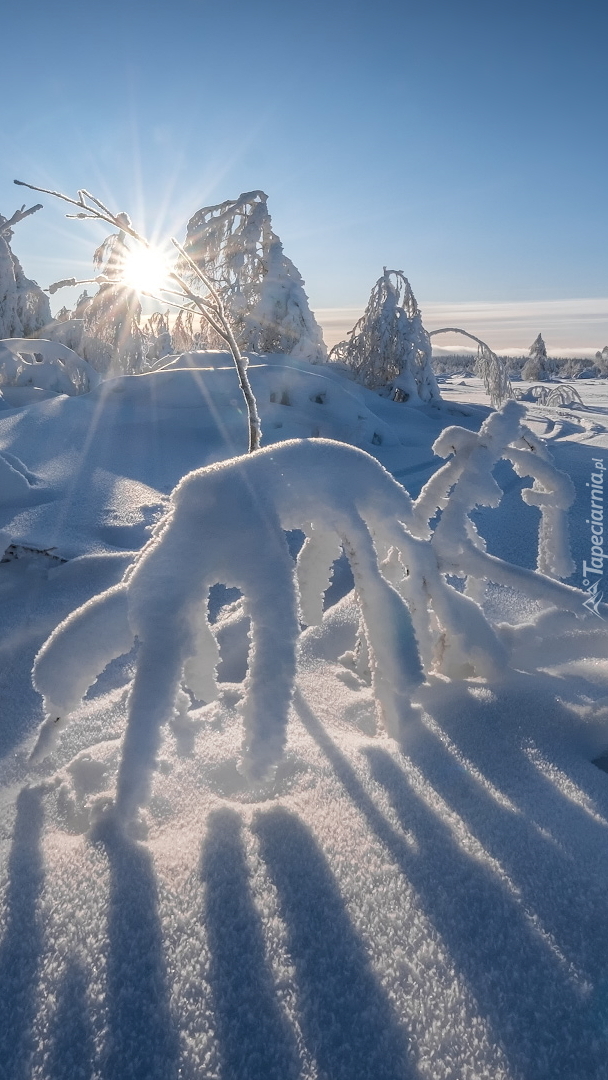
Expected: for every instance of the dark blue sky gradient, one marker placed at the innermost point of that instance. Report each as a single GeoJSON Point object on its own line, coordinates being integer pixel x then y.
{"type": "Point", "coordinates": [465, 143]}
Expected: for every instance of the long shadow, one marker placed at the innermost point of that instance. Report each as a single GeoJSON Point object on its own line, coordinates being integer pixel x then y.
{"type": "Point", "coordinates": [22, 943]}
{"type": "Point", "coordinates": [565, 892]}
{"type": "Point", "coordinates": [142, 1041]}
{"type": "Point", "coordinates": [256, 1041]}
{"type": "Point", "coordinates": [477, 728]}
{"type": "Point", "coordinates": [347, 1020]}
{"type": "Point", "coordinates": [72, 1055]}
{"type": "Point", "coordinates": [534, 1013]}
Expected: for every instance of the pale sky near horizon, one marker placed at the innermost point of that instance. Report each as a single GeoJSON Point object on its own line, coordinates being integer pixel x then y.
{"type": "Point", "coordinates": [465, 144]}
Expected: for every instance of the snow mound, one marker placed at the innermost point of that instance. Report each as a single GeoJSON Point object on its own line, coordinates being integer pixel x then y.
{"type": "Point", "coordinates": [45, 365]}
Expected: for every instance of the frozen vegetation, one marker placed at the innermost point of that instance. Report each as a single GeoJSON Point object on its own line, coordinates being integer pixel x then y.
{"type": "Point", "coordinates": [388, 349]}
{"type": "Point", "coordinates": [302, 748]}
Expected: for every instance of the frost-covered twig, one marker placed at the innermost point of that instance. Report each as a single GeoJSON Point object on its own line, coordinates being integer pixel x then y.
{"type": "Point", "coordinates": [212, 310]}
{"type": "Point", "coordinates": [19, 215]}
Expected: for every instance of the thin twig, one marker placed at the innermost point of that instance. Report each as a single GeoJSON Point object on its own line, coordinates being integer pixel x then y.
{"type": "Point", "coordinates": [212, 310]}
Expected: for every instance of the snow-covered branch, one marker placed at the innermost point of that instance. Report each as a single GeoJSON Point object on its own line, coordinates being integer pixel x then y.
{"type": "Point", "coordinates": [488, 366]}
{"type": "Point", "coordinates": [414, 620]}
{"type": "Point", "coordinates": [19, 215]}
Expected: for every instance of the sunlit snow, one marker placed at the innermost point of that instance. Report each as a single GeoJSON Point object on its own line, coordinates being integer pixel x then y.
{"type": "Point", "coordinates": [429, 906]}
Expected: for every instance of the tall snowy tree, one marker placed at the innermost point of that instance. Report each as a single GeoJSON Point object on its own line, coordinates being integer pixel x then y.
{"type": "Point", "coordinates": [601, 360]}
{"type": "Point", "coordinates": [234, 245]}
{"type": "Point", "coordinates": [537, 367]}
{"type": "Point", "coordinates": [389, 348]}
{"type": "Point", "coordinates": [24, 307]}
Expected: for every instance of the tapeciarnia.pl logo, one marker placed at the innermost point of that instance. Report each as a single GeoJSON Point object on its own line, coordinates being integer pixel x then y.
{"type": "Point", "coordinates": [593, 571]}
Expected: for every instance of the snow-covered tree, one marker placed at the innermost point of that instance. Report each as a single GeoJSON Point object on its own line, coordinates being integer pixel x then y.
{"type": "Point", "coordinates": [157, 336]}
{"type": "Point", "coordinates": [24, 307]}
{"type": "Point", "coordinates": [601, 360]}
{"type": "Point", "coordinates": [111, 317]}
{"type": "Point", "coordinates": [234, 245]}
{"type": "Point", "coordinates": [538, 366]}
{"type": "Point", "coordinates": [389, 349]}
{"type": "Point", "coordinates": [402, 553]}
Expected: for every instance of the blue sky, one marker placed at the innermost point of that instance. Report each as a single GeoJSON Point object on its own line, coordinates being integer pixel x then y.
{"type": "Point", "coordinates": [464, 143]}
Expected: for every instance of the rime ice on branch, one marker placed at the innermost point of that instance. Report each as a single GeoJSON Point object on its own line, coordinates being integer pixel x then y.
{"type": "Point", "coordinates": [226, 524]}
{"type": "Point", "coordinates": [234, 245]}
{"type": "Point", "coordinates": [389, 349]}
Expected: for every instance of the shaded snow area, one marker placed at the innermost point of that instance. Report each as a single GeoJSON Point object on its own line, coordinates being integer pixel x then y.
{"type": "Point", "coordinates": [427, 904]}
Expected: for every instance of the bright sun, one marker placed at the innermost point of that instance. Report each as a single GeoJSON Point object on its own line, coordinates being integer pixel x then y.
{"type": "Point", "coordinates": [146, 269]}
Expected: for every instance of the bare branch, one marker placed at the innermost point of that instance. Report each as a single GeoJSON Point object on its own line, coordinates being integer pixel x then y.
{"type": "Point", "coordinates": [19, 215]}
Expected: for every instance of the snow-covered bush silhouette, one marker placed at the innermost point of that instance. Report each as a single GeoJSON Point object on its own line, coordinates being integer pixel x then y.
{"type": "Point", "coordinates": [226, 524]}
{"type": "Point", "coordinates": [388, 349]}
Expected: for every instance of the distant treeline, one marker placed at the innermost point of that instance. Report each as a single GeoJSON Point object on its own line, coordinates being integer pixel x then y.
{"type": "Point", "coordinates": [562, 367]}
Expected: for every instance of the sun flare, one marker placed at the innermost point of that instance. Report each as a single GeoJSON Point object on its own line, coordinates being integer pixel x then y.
{"type": "Point", "coordinates": [146, 269]}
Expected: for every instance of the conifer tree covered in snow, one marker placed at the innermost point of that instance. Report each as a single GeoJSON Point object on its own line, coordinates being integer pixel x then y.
{"type": "Point", "coordinates": [601, 360]}
{"type": "Point", "coordinates": [538, 366]}
{"type": "Point", "coordinates": [234, 245]}
{"type": "Point", "coordinates": [389, 348]}
{"type": "Point", "coordinates": [24, 308]}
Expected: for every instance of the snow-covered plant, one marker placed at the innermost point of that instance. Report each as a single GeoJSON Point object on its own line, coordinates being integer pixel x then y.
{"type": "Point", "coordinates": [388, 349]}
{"type": "Point", "coordinates": [555, 396]}
{"type": "Point", "coordinates": [24, 308]}
{"type": "Point", "coordinates": [177, 292]}
{"type": "Point", "coordinates": [488, 366]}
{"type": "Point", "coordinates": [538, 366]}
{"type": "Point", "coordinates": [601, 359]}
{"type": "Point", "coordinates": [157, 336]}
{"type": "Point", "coordinates": [233, 243]}
{"type": "Point", "coordinates": [413, 619]}
{"type": "Point", "coordinates": [112, 315]}
{"type": "Point", "coordinates": [47, 365]}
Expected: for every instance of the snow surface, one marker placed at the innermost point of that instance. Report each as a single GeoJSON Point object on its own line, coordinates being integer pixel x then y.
{"type": "Point", "coordinates": [432, 907]}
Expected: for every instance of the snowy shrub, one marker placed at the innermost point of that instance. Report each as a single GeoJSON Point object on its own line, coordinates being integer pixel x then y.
{"type": "Point", "coordinates": [234, 245]}
{"type": "Point", "coordinates": [389, 349]}
{"type": "Point", "coordinates": [47, 365]}
{"type": "Point", "coordinates": [601, 360]}
{"type": "Point", "coordinates": [413, 620]}
{"type": "Point", "coordinates": [24, 308]}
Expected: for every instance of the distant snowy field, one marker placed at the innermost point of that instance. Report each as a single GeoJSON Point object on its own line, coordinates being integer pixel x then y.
{"type": "Point", "coordinates": [431, 910]}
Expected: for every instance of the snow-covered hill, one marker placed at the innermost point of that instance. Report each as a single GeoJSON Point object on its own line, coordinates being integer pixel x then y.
{"type": "Point", "coordinates": [426, 908]}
